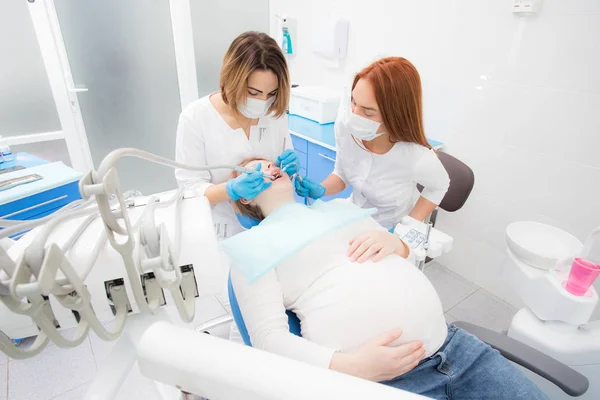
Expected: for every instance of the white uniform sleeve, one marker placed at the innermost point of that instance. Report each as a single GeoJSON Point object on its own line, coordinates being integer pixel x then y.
{"type": "Point", "coordinates": [284, 127]}
{"type": "Point", "coordinates": [337, 169]}
{"type": "Point", "coordinates": [261, 304]}
{"type": "Point", "coordinates": [432, 175]}
{"type": "Point", "coordinates": [190, 149]}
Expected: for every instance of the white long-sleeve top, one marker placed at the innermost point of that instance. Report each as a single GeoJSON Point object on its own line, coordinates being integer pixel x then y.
{"type": "Point", "coordinates": [388, 181]}
{"type": "Point", "coordinates": [341, 305]}
{"type": "Point", "coordinates": [204, 138]}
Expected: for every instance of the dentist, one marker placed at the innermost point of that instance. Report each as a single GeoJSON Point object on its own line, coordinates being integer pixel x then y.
{"type": "Point", "coordinates": [382, 150]}
{"type": "Point", "coordinates": [246, 117]}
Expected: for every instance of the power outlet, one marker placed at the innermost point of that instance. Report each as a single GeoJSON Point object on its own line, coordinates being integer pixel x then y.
{"type": "Point", "coordinates": [526, 6]}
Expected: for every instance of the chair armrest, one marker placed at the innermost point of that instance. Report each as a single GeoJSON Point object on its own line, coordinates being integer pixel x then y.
{"type": "Point", "coordinates": [567, 379]}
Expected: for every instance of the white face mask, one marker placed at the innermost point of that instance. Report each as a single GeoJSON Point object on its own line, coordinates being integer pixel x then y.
{"type": "Point", "coordinates": [360, 127]}
{"type": "Point", "coordinates": [255, 108]}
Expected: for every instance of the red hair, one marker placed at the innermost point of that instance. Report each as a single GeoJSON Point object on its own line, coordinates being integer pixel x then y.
{"type": "Point", "coordinates": [398, 93]}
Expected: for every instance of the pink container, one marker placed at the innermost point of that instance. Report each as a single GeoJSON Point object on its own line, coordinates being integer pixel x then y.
{"type": "Point", "coordinates": [583, 274]}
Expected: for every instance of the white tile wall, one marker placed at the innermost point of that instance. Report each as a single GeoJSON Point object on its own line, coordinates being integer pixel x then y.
{"type": "Point", "coordinates": [516, 98]}
{"type": "Point", "coordinates": [575, 7]}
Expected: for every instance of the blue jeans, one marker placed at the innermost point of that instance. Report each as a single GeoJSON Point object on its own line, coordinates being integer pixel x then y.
{"type": "Point", "coordinates": [466, 368]}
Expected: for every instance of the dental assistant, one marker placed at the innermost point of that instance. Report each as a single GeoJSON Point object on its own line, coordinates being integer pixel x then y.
{"type": "Point", "coordinates": [381, 149]}
{"type": "Point", "coordinates": [245, 118]}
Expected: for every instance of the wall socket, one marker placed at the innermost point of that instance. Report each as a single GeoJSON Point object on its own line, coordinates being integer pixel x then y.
{"type": "Point", "coordinates": [526, 6]}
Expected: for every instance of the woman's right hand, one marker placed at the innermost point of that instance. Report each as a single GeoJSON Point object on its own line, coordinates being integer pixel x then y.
{"type": "Point", "coordinates": [307, 188]}
{"type": "Point", "coordinates": [378, 362]}
{"type": "Point", "coordinates": [247, 185]}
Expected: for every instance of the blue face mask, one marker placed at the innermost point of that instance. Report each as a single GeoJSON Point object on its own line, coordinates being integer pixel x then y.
{"type": "Point", "coordinates": [297, 224]}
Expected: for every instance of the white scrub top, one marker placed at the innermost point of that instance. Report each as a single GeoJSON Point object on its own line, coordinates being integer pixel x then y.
{"type": "Point", "coordinates": [388, 181]}
{"type": "Point", "coordinates": [204, 138]}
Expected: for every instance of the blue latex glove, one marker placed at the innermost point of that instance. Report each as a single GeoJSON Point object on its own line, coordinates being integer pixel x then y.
{"type": "Point", "coordinates": [247, 185]}
{"type": "Point", "coordinates": [308, 188]}
{"type": "Point", "coordinates": [289, 161]}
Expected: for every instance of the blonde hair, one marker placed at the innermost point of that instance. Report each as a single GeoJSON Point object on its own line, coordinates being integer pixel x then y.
{"type": "Point", "coordinates": [247, 209]}
{"type": "Point", "coordinates": [249, 52]}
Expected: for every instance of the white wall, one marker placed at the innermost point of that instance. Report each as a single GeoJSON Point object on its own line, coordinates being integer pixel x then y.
{"type": "Point", "coordinates": [517, 99]}
{"type": "Point", "coordinates": [215, 24]}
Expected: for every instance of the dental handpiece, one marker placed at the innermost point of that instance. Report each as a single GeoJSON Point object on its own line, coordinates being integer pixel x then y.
{"type": "Point", "coordinates": [250, 171]}
{"type": "Point", "coordinates": [427, 233]}
{"type": "Point", "coordinates": [284, 169]}
{"type": "Point", "coordinates": [272, 177]}
{"type": "Point", "coordinates": [299, 177]}
{"type": "Point", "coordinates": [297, 174]}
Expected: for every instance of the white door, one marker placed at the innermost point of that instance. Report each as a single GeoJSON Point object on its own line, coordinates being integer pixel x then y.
{"type": "Point", "coordinates": [39, 111]}
{"type": "Point", "coordinates": [121, 71]}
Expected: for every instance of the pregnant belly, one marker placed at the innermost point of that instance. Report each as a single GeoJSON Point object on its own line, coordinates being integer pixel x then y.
{"type": "Point", "coordinates": [354, 303]}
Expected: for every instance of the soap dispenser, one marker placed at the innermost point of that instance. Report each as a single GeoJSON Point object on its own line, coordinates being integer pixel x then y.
{"type": "Point", "coordinates": [285, 33]}
{"type": "Point", "coordinates": [286, 41]}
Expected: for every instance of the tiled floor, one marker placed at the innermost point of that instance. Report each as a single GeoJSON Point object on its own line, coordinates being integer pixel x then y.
{"type": "Point", "coordinates": [60, 374]}
{"type": "Point", "coordinates": [464, 301]}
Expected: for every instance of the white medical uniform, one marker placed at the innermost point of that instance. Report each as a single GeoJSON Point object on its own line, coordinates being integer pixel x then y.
{"type": "Point", "coordinates": [388, 181]}
{"type": "Point", "coordinates": [204, 138]}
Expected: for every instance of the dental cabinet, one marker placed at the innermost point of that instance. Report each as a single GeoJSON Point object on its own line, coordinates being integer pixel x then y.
{"type": "Point", "coordinates": [315, 147]}
{"type": "Point", "coordinates": [55, 185]}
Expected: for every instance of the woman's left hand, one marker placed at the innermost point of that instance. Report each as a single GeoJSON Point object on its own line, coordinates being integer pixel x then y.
{"type": "Point", "coordinates": [376, 244]}
{"type": "Point", "coordinates": [288, 161]}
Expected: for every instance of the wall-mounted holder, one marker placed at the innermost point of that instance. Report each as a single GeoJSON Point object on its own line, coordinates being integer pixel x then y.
{"type": "Point", "coordinates": [285, 34]}
{"type": "Point", "coordinates": [526, 7]}
{"type": "Point", "coordinates": [330, 38]}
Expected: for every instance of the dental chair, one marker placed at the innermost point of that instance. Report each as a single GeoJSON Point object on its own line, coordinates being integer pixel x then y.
{"type": "Point", "coordinates": [462, 181]}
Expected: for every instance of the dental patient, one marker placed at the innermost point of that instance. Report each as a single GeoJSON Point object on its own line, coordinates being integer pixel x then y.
{"type": "Point", "coordinates": [365, 309]}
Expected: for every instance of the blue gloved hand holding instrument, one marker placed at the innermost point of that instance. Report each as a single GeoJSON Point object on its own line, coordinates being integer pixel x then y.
{"type": "Point", "coordinates": [307, 188]}
{"type": "Point", "coordinates": [248, 185]}
{"type": "Point", "coordinates": [288, 162]}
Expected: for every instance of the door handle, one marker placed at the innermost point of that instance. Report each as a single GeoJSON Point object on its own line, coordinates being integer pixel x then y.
{"type": "Point", "coordinates": [78, 90]}
{"type": "Point", "coordinates": [326, 157]}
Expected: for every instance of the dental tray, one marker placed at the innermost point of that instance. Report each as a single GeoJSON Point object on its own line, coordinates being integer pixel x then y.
{"type": "Point", "coordinates": [21, 180]}
{"type": "Point", "coordinates": [413, 232]}
{"type": "Point", "coordinates": [38, 191]}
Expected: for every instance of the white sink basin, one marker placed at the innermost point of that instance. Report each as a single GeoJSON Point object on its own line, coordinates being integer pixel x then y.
{"type": "Point", "coordinates": [541, 245]}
